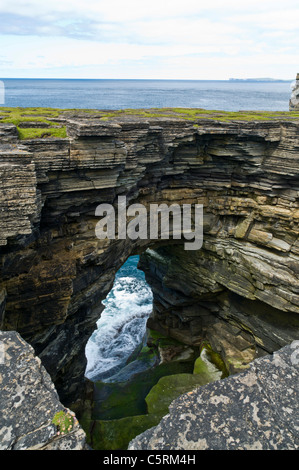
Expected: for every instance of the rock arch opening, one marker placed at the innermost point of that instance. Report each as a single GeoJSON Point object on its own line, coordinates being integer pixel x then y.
{"type": "Point", "coordinates": [121, 330]}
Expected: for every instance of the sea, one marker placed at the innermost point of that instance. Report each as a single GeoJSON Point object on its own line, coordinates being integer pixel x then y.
{"type": "Point", "coordinates": [122, 326]}
{"type": "Point", "coordinates": [224, 95]}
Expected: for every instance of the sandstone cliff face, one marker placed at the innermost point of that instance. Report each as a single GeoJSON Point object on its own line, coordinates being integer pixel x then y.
{"type": "Point", "coordinates": [240, 292]}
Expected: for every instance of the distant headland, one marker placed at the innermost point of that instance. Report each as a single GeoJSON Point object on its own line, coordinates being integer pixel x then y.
{"type": "Point", "coordinates": [258, 80]}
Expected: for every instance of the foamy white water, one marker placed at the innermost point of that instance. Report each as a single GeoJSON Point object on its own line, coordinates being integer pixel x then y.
{"type": "Point", "coordinates": [122, 325]}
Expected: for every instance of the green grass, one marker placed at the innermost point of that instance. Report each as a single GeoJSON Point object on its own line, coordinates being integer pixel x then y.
{"type": "Point", "coordinates": [52, 116]}
{"type": "Point", "coordinates": [17, 116]}
{"type": "Point", "coordinates": [36, 133]}
{"type": "Point", "coordinates": [202, 114]}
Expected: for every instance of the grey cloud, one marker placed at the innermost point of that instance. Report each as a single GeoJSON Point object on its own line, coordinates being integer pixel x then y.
{"type": "Point", "coordinates": [45, 26]}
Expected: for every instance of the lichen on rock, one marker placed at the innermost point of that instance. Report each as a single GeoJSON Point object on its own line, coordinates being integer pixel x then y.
{"type": "Point", "coordinates": [29, 400]}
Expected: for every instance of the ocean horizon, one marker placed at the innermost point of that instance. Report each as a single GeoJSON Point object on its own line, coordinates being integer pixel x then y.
{"type": "Point", "coordinates": [226, 95]}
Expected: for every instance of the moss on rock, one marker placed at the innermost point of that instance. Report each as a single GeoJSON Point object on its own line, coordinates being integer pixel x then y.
{"type": "Point", "coordinates": [64, 421]}
{"type": "Point", "coordinates": [118, 400]}
{"type": "Point", "coordinates": [116, 434]}
{"type": "Point", "coordinates": [171, 387]}
{"type": "Point", "coordinates": [216, 359]}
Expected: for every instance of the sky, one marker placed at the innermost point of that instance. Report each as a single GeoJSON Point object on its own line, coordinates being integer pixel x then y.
{"type": "Point", "coordinates": [156, 39]}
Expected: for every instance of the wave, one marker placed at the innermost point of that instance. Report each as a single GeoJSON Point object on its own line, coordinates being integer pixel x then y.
{"type": "Point", "coordinates": [122, 326]}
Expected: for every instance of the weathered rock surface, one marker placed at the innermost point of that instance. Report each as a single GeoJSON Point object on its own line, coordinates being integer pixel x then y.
{"type": "Point", "coordinates": [29, 401]}
{"type": "Point", "coordinates": [216, 298]}
{"type": "Point", "coordinates": [253, 410]}
{"type": "Point", "coordinates": [18, 193]}
{"type": "Point", "coordinates": [240, 292]}
{"type": "Point", "coordinates": [294, 101]}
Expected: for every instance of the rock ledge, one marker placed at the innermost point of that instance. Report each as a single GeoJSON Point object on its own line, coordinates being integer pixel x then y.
{"type": "Point", "coordinates": [29, 401]}
{"type": "Point", "coordinates": [254, 410]}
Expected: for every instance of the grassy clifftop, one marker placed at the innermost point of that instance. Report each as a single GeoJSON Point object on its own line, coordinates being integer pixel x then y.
{"type": "Point", "coordinates": [34, 123]}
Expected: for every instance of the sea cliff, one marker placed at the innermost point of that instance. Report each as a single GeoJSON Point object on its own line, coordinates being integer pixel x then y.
{"type": "Point", "coordinates": [239, 293]}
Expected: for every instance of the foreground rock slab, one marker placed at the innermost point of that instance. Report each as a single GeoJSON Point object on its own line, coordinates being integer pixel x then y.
{"type": "Point", "coordinates": [29, 401]}
{"type": "Point", "coordinates": [254, 410]}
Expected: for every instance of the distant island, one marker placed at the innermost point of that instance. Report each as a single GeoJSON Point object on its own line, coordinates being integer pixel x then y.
{"type": "Point", "coordinates": [257, 80]}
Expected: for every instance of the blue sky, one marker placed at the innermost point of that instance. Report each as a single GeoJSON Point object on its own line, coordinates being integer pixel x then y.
{"type": "Point", "coordinates": [162, 39]}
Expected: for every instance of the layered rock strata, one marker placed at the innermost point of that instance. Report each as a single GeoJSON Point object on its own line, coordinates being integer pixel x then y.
{"type": "Point", "coordinates": [241, 288]}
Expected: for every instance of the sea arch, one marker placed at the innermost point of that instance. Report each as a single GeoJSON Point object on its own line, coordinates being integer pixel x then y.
{"type": "Point", "coordinates": [55, 272]}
